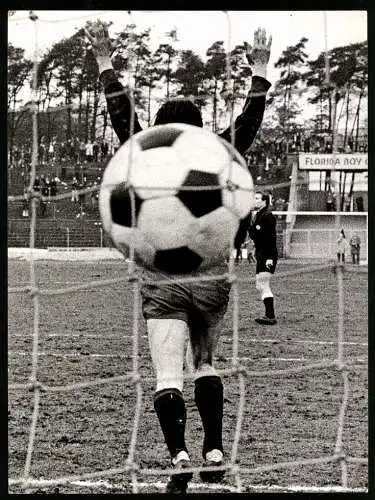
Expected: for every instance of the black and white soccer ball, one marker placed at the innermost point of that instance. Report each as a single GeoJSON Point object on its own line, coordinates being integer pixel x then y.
{"type": "Point", "coordinates": [175, 193]}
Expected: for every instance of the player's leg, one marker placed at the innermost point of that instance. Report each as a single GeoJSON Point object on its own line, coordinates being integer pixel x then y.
{"type": "Point", "coordinates": [210, 300]}
{"type": "Point", "coordinates": [209, 392]}
{"type": "Point", "coordinates": [165, 310]}
{"type": "Point", "coordinates": [167, 340]}
{"type": "Point", "coordinates": [262, 283]}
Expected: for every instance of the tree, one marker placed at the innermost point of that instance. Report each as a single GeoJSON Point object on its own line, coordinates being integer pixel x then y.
{"type": "Point", "coordinates": [360, 86]}
{"type": "Point", "coordinates": [240, 71]}
{"type": "Point", "coordinates": [341, 63]}
{"type": "Point", "coordinates": [347, 76]}
{"type": "Point", "coordinates": [133, 57]}
{"type": "Point", "coordinates": [67, 67]}
{"type": "Point", "coordinates": [234, 78]}
{"type": "Point", "coordinates": [215, 72]}
{"type": "Point", "coordinates": [164, 58]}
{"type": "Point", "coordinates": [19, 71]}
{"type": "Point", "coordinates": [287, 88]}
{"type": "Point", "coordinates": [190, 76]}
{"type": "Point", "coordinates": [149, 78]}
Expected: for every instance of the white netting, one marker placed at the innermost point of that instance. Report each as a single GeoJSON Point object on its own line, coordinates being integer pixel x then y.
{"type": "Point", "coordinates": [339, 362]}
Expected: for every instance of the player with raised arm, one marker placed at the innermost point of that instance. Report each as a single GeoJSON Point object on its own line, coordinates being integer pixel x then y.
{"type": "Point", "coordinates": [176, 312]}
{"type": "Point", "coordinates": [261, 227]}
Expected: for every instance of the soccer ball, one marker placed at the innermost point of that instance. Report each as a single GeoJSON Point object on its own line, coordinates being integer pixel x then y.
{"type": "Point", "coordinates": [175, 193]}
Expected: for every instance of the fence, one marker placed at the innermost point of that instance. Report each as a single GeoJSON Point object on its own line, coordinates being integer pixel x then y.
{"type": "Point", "coordinates": [57, 233]}
{"type": "Point", "coordinates": [292, 243]}
{"type": "Point", "coordinates": [319, 243]}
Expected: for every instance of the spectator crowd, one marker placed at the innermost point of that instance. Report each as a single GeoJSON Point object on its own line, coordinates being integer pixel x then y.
{"type": "Point", "coordinates": [69, 163]}
{"type": "Point", "coordinates": [70, 152]}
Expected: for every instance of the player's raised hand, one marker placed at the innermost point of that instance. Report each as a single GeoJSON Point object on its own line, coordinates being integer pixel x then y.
{"type": "Point", "coordinates": [99, 40]}
{"type": "Point", "coordinates": [259, 53]}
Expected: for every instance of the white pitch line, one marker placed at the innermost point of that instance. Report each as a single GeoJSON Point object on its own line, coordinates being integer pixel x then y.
{"type": "Point", "coordinates": [226, 487]}
{"type": "Point", "coordinates": [160, 485]}
{"type": "Point", "coordinates": [295, 488]}
{"type": "Point", "coordinates": [94, 355]}
{"type": "Point", "coordinates": [27, 283]}
{"type": "Point", "coordinates": [128, 356]}
{"type": "Point", "coordinates": [120, 337]}
{"type": "Point", "coordinates": [77, 335]}
{"type": "Point", "coordinates": [314, 342]}
{"type": "Point", "coordinates": [72, 355]}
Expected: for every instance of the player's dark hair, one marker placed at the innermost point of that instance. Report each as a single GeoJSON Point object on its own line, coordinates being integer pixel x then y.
{"type": "Point", "coordinates": [179, 111]}
{"type": "Point", "coordinates": [265, 197]}
{"type": "Point", "coordinates": [343, 234]}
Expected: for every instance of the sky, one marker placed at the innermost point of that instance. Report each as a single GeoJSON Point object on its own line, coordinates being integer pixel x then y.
{"type": "Point", "coordinates": [197, 30]}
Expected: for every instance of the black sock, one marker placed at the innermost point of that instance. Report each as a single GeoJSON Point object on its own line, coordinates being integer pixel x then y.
{"type": "Point", "coordinates": [209, 401]}
{"type": "Point", "coordinates": [170, 409]}
{"type": "Point", "coordinates": [268, 303]}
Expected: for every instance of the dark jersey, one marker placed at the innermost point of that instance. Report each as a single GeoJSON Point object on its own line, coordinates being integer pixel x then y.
{"type": "Point", "coordinates": [262, 230]}
{"type": "Point", "coordinates": [246, 124]}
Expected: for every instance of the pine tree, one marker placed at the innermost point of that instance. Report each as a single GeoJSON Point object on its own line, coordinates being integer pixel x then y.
{"type": "Point", "coordinates": [287, 88]}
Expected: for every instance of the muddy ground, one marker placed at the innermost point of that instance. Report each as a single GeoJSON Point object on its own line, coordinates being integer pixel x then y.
{"type": "Point", "coordinates": [88, 335]}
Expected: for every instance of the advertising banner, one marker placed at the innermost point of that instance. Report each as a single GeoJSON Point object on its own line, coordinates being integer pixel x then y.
{"type": "Point", "coordinates": [350, 162]}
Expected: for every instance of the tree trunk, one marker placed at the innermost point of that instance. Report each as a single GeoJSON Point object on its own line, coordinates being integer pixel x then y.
{"type": "Point", "coordinates": [12, 125]}
{"type": "Point", "coordinates": [214, 111]}
{"type": "Point", "coordinates": [336, 98]}
{"type": "Point", "coordinates": [168, 74]}
{"type": "Point", "coordinates": [94, 113]}
{"type": "Point", "coordinates": [347, 116]}
{"type": "Point", "coordinates": [354, 126]}
{"type": "Point", "coordinates": [330, 114]}
{"type": "Point", "coordinates": [285, 109]}
{"type": "Point", "coordinates": [357, 116]}
{"type": "Point", "coordinates": [79, 120]}
{"type": "Point", "coordinates": [149, 106]}
{"type": "Point", "coordinates": [69, 117]}
{"type": "Point", "coordinates": [340, 114]}
{"type": "Point", "coordinates": [49, 124]}
{"type": "Point", "coordinates": [351, 186]}
{"type": "Point", "coordinates": [343, 193]}
{"type": "Point", "coordinates": [105, 124]}
{"type": "Point", "coordinates": [87, 114]}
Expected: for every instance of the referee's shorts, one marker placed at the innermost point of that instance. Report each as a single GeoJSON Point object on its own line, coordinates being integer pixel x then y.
{"type": "Point", "coordinates": [261, 264]}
